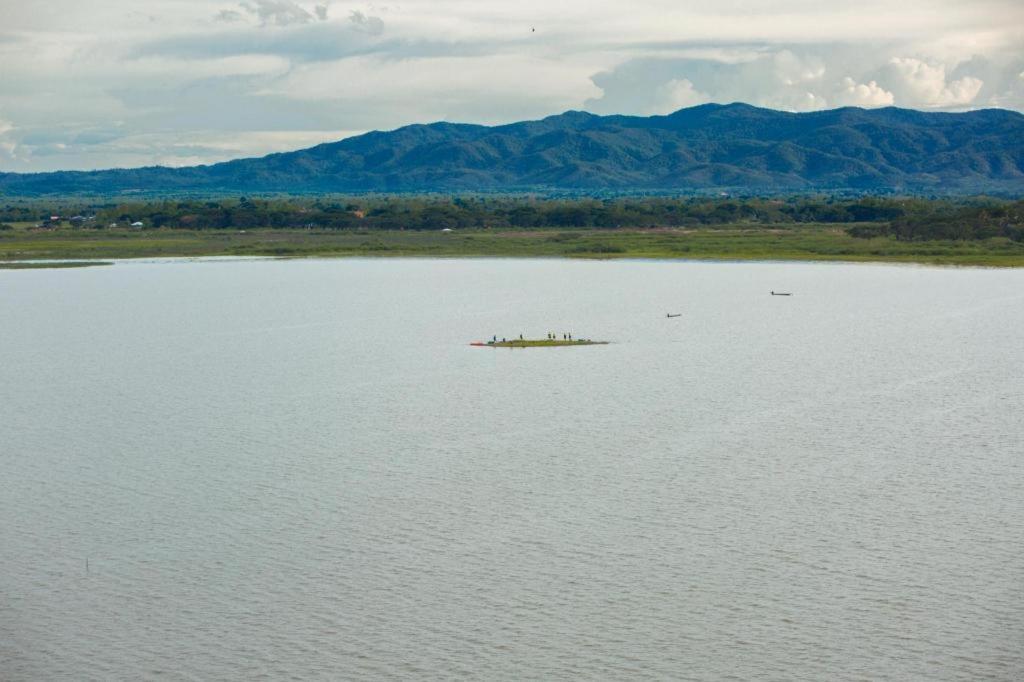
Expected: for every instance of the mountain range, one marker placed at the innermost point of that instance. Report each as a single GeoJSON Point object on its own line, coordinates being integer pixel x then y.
{"type": "Point", "coordinates": [702, 148]}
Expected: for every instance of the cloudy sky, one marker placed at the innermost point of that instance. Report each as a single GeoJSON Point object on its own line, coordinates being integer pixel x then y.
{"type": "Point", "coordinates": [178, 82]}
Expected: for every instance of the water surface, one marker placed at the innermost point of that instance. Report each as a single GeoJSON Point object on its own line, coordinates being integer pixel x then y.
{"type": "Point", "coordinates": [300, 469]}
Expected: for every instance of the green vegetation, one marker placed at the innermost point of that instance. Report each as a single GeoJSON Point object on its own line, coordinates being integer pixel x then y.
{"type": "Point", "coordinates": [541, 343]}
{"type": "Point", "coordinates": [810, 242]}
{"type": "Point", "coordinates": [978, 231]}
{"type": "Point", "coordinates": [952, 222]}
{"type": "Point", "coordinates": [907, 219]}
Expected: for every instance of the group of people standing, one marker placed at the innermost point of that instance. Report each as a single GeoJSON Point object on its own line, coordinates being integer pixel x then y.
{"type": "Point", "coordinates": [551, 337]}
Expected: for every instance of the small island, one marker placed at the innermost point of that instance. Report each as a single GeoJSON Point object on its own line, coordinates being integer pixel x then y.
{"type": "Point", "coordinates": [549, 342]}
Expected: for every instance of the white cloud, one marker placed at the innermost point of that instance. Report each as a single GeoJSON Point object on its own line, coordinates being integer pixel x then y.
{"type": "Point", "coordinates": [677, 94]}
{"type": "Point", "coordinates": [926, 85]}
{"type": "Point", "coordinates": [8, 150]}
{"type": "Point", "coordinates": [440, 86]}
{"type": "Point", "coordinates": [867, 95]}
{"type": "Point", "coordinates": [277, 12]}
{"type": "Point", "coordinates": [367, 24]}
{"type": "Point", "coordinates": [228, 15]}
{"type": "Point", "coordinates": [8, 147]}
{"type": "Point", "coordinates": [804, 78]}
{"type": "Point", "coordinates": [810, 102]}
{"type": "Point", "coordinates": [172, 70]}
{"type": "Point", "coordinates": [781, 79]}
{"type": "Point", "coordinates": [791, 69]}
{"type": "Point", "coordinates": [169, 149]}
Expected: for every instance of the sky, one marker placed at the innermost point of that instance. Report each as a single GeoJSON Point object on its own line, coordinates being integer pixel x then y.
{"type": "Point", "coordinates": [125, 83]}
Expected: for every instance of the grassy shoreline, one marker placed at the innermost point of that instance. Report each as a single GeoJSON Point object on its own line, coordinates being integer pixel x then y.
{"type": "Point", "coordinates": [734, 242]}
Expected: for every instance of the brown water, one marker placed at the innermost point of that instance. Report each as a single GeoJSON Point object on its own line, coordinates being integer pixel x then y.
{"type": "Point", "coordinates": [298, 469]}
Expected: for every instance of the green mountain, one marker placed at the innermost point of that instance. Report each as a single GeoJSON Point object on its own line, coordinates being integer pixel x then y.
{"type": "Point", "coordinates": [734, 147]}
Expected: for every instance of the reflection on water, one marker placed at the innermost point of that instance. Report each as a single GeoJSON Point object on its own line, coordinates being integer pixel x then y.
{"type": "Point", "coordinates": [301, 469]}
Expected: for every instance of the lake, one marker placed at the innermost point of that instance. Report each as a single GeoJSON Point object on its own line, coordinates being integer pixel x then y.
{"type": "Point", "coordinates": [258, 469]}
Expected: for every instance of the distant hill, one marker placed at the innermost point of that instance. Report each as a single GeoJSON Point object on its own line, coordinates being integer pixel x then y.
{"type": "Point", "coordinates": [734, 147]}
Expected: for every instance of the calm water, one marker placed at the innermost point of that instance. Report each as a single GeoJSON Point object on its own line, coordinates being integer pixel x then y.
{"type": "Point", "coordinates": [299, 469]}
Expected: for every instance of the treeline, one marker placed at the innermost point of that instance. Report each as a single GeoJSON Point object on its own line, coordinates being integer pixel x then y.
{"type": "Point", "coordinates": [903, 219]}
{"type": "Point", "coordinates": [961, 223]}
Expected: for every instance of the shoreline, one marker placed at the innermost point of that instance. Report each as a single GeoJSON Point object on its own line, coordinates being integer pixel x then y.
{"type": "Point", "coordinates": [28, 249]}
{"type": "Point", "coordinates": [82, 262]}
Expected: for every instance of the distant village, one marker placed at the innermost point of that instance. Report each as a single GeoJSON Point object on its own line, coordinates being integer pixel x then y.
{"type": "Point", "coordinates": [55, 221]}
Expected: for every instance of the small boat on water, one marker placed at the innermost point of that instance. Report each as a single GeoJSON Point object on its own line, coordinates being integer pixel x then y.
{"type": "Point", "coordinates": [673, 314]}
{"type": "Point", "coordinates": [781, 293]}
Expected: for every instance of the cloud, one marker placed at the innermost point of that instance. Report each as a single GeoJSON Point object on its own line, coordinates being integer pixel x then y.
{"type": "Point", "coordinates": [854, 94]}
{"type": "Point", "coordinates": [228, 16]}
{"type": "Point", "coordinates": [440, 86]}
{"type": "Point", "coordinates": [8, 146]}
{"type": "Point", "coordinates": [277, 12]}
{"type": "Point", "coordinates": [96, 84]}
{"type": "Point", "coordinates": [677, 94]}
{"type": "Point", "coordinates": [809, 77]}
{"type": "Point", "coordinates": [781, 79]}
{"type": "Point", "coordinates": [8, 150]}
{"type": "Point", "coordinates": [926, 84]}
{"type": "Point", "coordinates": [313, 42]}
{"type": "Point", "coordinates": [794, 70]}
{"type": "Point", "coordinates": [124, 149]}
{"type": "Point", "coordinates": [373, 26]}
